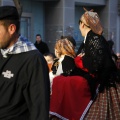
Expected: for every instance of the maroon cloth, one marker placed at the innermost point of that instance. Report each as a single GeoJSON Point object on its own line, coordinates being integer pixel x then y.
{"type": "Point", "coordinates": [70, 96]}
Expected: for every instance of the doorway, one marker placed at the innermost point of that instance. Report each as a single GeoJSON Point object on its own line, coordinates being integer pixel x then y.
{"type": "Point", "coordinates": [25, 27]}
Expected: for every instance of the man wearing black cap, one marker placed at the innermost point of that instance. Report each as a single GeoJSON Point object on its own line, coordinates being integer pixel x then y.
{"type": "Point", "coordinates": [24, 80]}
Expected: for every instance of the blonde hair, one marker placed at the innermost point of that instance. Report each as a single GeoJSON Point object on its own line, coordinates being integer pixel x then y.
{"type": "Point", "coordinates": [64, 47]}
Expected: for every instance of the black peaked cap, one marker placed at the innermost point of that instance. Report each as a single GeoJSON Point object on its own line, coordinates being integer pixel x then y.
{"type": "Point", "coordinates": [8, 13]}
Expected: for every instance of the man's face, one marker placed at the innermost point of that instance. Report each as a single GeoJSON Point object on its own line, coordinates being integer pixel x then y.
{"type": "Point", "coordinates": [4, 37]}
{"type": "Point", "coordinates": [7, 38]}
{"type": "Point", "coordinates": [38, 39]}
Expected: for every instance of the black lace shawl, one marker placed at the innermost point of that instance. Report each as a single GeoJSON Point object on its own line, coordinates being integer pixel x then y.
{"type": "Point", "coordinates": [97, 59]}
{"type": "Point", "coordinates": [97, 54]}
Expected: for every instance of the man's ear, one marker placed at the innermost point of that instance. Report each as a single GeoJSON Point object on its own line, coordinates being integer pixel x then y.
{"type": "Point", "coordinates": [12, 29]}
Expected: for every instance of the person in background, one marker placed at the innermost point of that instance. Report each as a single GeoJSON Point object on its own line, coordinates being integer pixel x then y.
{"type": "Point", "coordinates": [71, 39]}
{"type": "Point", "coordinates": [95, 58]}
{"type": "Point", "coordinates": [50, 59]}
{"type": "Point", "coordinates": [40, 45]}
{"type": "Point", "coordinates": [70, 94]}
{"type": "Point", "coordinates": [24, 77]}
{"type": "Point", "coordinates": [114, 56]}
{"type": "Point", "coordinates": [64, 52]}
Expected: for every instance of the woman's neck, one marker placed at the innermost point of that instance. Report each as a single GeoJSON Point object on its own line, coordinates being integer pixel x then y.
{"type": "Point", "coordinates": [86, 31]}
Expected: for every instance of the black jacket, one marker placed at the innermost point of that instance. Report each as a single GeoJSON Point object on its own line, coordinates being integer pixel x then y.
{"type": "Point", "coordinates": [42, 47]}
{"type": "Point", "coordinates": [24, 90]}
{"type": "Point", "coordinates": [68, 65]}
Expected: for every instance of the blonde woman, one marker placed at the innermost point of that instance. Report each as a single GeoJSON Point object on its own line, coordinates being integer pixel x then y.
{"type": "Point", "coordinates": [95, 58]}
{"type": "Point", "coordinates": [70, 94]}
{"type": "Point", "coordinates": [64, 62]}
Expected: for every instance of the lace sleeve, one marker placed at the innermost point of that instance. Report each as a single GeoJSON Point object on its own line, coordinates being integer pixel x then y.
{"type": "Point", "coordinates": [94, 58]}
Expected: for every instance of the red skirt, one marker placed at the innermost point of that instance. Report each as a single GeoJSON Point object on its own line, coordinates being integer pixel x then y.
{"type": "Point", "coordinates": [70, 96]}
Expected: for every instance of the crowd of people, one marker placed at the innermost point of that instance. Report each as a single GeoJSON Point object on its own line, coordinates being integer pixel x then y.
{"type": "Point", "coordinates": [92, 88]}
{"type": "Point", "coordinates": [36, 84]}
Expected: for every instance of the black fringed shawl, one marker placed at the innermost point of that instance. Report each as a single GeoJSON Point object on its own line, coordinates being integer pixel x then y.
{"type": "Point", "coordinates": [97, 60]}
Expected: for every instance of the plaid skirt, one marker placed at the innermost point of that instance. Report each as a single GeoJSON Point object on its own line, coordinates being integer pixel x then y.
{"type": "Point", "coordinates": [106, 105]}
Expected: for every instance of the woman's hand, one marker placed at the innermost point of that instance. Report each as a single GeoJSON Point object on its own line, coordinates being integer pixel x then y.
{"type": "Point", "coordinates": [81, 54]}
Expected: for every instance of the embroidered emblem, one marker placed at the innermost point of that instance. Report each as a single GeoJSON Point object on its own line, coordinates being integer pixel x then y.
{"type": "Point", "coordinates": [7, 74]}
